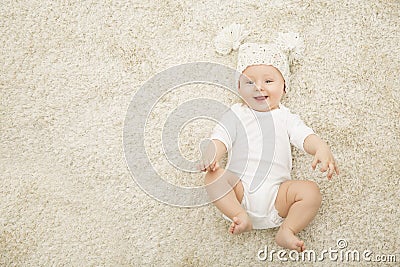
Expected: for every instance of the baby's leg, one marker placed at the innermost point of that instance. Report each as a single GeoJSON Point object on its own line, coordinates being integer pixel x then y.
{"type": "Point", "coordinates": [299, 202]}
{"type": "Point", "coordinates": [219, 185]}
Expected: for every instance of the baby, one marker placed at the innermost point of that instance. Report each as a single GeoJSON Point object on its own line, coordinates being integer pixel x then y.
{"type": "Point", "coordinates": [277, 201]}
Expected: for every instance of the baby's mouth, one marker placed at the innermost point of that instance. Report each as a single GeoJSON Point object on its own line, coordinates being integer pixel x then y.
{"type": "Point", "coordinates": [260, 98]}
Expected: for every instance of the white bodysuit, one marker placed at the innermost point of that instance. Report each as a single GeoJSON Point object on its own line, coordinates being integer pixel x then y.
{"type": "Point", "coordinates": [258, 145]}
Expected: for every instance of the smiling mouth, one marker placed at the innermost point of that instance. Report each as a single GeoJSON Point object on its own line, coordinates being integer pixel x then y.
{"type": "Point", "coordinates": [261, 98]}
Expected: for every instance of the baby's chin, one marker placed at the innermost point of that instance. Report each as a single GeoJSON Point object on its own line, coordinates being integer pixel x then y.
{"type": "Point", "coordinates": [261, 108]}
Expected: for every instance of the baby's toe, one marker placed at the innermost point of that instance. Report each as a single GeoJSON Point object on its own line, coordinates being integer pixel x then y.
{"type": "Point", "coordinates": [236, 220]}
{"type": "Point", "coordinates": [232, 228]}
{"type": "Point", "coordinates": [300, 246]}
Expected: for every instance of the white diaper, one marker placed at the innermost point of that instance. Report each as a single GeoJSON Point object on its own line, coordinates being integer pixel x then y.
{"type": "Point", "coordinates": [260, 206]}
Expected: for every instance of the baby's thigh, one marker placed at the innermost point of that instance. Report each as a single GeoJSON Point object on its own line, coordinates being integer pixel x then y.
{"type": "Point", "coordinates": [292, 191]}
{"type": "Point", "coordinates": [235, 182]}
{"type": "Point", "coordinates": [223, 181]}
{"type": "Point", "coordinates": [239, 191]}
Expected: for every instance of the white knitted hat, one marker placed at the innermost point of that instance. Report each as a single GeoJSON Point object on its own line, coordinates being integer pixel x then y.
{"type": "Point", "coordinates": [284, 51]}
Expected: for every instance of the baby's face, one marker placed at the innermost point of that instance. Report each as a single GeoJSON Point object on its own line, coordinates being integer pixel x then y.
{"type": "Point", "coordinates": [262, 87]}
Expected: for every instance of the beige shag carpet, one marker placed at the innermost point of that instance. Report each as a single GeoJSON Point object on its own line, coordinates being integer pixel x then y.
{"type": "Point", "coordinates": [69, 70]}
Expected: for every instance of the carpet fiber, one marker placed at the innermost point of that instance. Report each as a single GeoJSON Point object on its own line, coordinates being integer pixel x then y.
{"type": "Point", "coordinates": [69, 70]}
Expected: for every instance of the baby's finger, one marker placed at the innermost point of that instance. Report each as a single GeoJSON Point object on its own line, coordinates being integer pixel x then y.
{"type": "Point", "coordinates": [203, 166]}
{"type": "Point", "coordinates": [336, 169]}
{"type": "Point", "coordinates": [314, 163]}
{"type": "Point", "coordinates": [324, 167]}
{"type": "Point", "coordinates": [331, 170]}
{"type": "Point", "coordinates": [212, 166]}
{"type": "Point", "coordinates": [216, 165]}
{"type": "Point", "coordinates": [199, 167]}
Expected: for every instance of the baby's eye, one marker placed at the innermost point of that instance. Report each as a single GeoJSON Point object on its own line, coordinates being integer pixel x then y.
{"type": "Point", "coordinates": [249, 82]}
{"type": "Point", "coordinates": [268, 81]}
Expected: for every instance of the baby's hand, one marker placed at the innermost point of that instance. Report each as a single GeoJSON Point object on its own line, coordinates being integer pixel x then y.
{"type": "Point", "coordinates": [205, 166]}
{"type": "Point", "coordinates": [208, 160]}
{"type": "Point", "coordinates": [325, 157]}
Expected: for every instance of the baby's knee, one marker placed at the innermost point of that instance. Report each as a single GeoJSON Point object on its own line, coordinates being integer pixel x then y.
{"type": "Point", "coordinates": [312, 192]}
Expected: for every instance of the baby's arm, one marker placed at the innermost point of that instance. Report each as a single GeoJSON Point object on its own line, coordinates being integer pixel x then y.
{"type": "Point", "coordinates": [211, 156]}
{"type": "Point", "coordinates": [322, 154]}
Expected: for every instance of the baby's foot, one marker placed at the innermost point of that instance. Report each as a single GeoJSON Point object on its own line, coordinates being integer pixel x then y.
{"type": "Point", "coordinates": [241, 223]}
{"type": "Point", "coordinates": [286, 238]}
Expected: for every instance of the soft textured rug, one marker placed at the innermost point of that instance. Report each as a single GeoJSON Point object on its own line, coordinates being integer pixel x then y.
{"type": "Point", "coordinates": [69, 70]}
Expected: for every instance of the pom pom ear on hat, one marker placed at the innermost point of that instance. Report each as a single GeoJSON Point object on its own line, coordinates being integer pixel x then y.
{"type": "Point", "coordinates": [230, 38]}
{"type": "Point", "coordinates": [291, 44]}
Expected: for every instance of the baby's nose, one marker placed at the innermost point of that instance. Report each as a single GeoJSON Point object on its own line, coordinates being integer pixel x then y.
{"type": "Point", "coordinates": [261, 86]}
